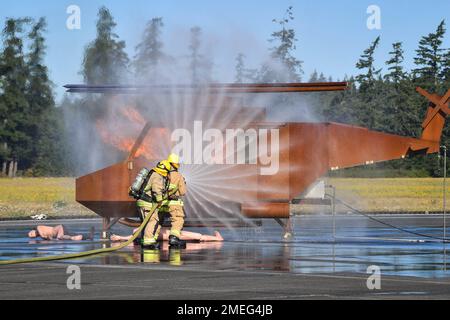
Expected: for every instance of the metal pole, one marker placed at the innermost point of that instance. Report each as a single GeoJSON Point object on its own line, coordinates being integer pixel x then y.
{"type": "Point", "coordinates": [444, 205]}
{"type": "Point", "coordinates": [333, 208]}
{"type": "Point", "coordinates": [333, 213]}
{"type": "Point", "coordinates": [445, 192]}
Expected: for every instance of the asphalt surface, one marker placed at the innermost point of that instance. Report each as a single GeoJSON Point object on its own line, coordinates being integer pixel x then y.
{"type": "Point", "coordinates": [49, 281]}
{"type": "Point", "coordinates": [250, 264]}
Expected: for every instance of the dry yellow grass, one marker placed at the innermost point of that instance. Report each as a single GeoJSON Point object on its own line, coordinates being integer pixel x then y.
{"type": "Point", "coordinates": [393, 194]}
{"type": "Point", "coordinates": [23, 197]}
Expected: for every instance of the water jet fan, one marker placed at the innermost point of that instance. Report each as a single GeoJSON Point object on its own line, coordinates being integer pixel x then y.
{"type": "Point", "coordinates": [306, 152]}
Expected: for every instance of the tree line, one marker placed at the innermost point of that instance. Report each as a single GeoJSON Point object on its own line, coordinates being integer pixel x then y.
{"type": "Point", "coordinates": [35, 141]}
{"type": "Point", "coordinates": [29, 121]}
{"type": "Point", "coordinates": [388, 101]}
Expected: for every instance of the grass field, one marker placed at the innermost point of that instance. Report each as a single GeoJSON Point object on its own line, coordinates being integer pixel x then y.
{"type": "Point", "coordinates": [23, 197]}
{"type": "Point", "coordinates": [392, 194]}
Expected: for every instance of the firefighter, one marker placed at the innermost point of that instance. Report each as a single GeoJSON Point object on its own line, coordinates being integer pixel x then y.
{"type": "Point", "coordinates": [156, 189]}
{"type": "Point", "coordinates": [177, 188]}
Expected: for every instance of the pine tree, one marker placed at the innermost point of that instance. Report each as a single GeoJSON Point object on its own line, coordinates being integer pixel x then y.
{"type": "Point", "coordinates": [322, 78]}
{"type": "Point", "coordinates": [53, 156]}
{"type": "Point", "coordinates": [243, 74]}
{"type": "Point", "coordinates": [290, 68]}
{"type": "Point", "coordinates": [239, 69]}
{"type": "Point", "coordinates": [394, 64]}
{"type": "Point", "coordinates": [395, 92]}
{"type": "Point", "coordinates": [368, 102]}
{"type": "Point", "coordinates": [48, 151]}
{"type": "Point", "coordinates": [105, 60]}
{"type": "Point", "coordinates": [14, 108]}
{"type": "Point", "coordinates": [314, 77]}
{"type": "Point", "coordinates": [39, 90]}
{"type": "Point", "coordinates": [429, 58]}
{"type": "Point", "coordinates": [149, 53]}
{"type": "Point", "coordinates": [366, 62]}
{"type": "Point", "coordinates": [199, 66]}
{"type": "Point", "coordinates": [339, 106]}
{"type": "Point", "coordinates": [445, 73]}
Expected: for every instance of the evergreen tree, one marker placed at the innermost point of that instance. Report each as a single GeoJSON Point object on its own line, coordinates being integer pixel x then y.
{"type": "Point", "coordinates": [430, 64]}
{"type": "Point", "coordinates": [239, 69]}
{"type": "Point", "coordinates": [314, 77]}
{"type": "Point", "coordinates": [445, 74]}
{"type": "Point", "coordinates": [199, 66]}
{"type": "Point", "coordinates": [243, 74]}
{"type": "Point", "coordinates": [429, 58]}
{"type": "Point", "coordinates": [366, 62]}
{"type": "Point", "coordinates": [39, 92]}
{"type": "Point", "coordinates": [14, 108]}
{"type": "Point", "coordinates": [45, 126]}
{"type": "Point", "coordinates": [339, 106]}
{"type": "Point", "coordinates": [105, 61]}
{"type": "Point", "coordinates": [322, 78]}
{"type": "Point", "coordinates": [289, 68]}
{"type": "Point", "coordinates": [367, 105]}
{"type": "Point", "coordinates": [396, 91]}
{"type": "Point", "coordinates": [394, 64]}
{"type": "Point", "coordinates": [195, 56]}
{"type": "Point", "coordinates": [53, 156]}
{"type": "Point", "coordinates": [149, 54]}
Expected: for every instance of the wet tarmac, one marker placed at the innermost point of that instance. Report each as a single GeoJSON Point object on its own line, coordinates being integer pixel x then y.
{"type": "Point", "coordinates": [359, 243]}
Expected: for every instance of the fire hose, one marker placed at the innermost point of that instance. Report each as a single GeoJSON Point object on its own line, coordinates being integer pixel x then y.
{"type": "Point", "coordinates": [90, 252]}
{"type": "Point", "coordinates": [445, 240]}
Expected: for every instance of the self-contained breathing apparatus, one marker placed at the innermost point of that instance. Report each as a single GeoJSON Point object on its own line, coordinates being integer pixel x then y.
{"type": "Point", "coordinates": [137, 189]}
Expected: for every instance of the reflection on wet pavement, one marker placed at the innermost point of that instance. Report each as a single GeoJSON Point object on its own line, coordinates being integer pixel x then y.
{"type": "Point", "coordinates": [359, 243]}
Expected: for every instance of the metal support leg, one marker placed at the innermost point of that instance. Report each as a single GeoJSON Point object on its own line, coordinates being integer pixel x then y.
{"type": "Point", "coordinates": [107, 225]}
{"type": "Point", "coordinates": [287, 227]}
{"type": "Point", "coordinates": [106, 221]}
{"type": "Point", "coordinates": [288, 230]}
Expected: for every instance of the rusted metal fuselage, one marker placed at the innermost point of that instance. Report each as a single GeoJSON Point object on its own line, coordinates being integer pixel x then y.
{"type": "Point", "coordinates": [307, 151]}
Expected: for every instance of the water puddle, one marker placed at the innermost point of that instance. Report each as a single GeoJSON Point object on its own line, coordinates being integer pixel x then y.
{"type": "Point", "coordinates": [358, 245]}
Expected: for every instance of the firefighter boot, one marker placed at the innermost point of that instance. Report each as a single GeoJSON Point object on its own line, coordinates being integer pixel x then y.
{"type": "Point", "coordinates": [150, 245]}
{"type": "Point", "coordinates": [175, 242]}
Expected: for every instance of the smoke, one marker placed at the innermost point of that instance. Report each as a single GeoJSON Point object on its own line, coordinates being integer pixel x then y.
{"type": "Point", "coordinates": [103, 130]}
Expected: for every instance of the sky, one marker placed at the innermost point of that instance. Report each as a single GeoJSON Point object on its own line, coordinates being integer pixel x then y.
{"type": "Point", "coordinates": [331, 34]}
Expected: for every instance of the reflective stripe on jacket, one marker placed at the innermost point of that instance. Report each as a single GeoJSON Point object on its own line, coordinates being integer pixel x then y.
{"type": "Point", "coordinates": [154, 189]}
{"type": "Point", "coordinates": [177, 182]}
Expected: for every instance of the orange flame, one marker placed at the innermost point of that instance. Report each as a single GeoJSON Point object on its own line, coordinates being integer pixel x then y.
{"type": "Point", "coordinates": [133, 115]}
{"type": "Point", "coordinates": [122, 129]}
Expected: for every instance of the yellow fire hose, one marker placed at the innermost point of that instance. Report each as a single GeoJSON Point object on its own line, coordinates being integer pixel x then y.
{"type": "Point", "coordinates": [86, 253]}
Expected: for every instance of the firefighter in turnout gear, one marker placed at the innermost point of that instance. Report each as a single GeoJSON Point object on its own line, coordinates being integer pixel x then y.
{"type": "Point", "coordinates": [174, 205]}
{"type": "Point", "coordinates": [156, 189]}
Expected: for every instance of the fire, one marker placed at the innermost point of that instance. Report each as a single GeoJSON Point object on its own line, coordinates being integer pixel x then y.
{"type": "Point", "coordinates": [133, 115]}
{"type": "Point", "coordinates": [122, 128]}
